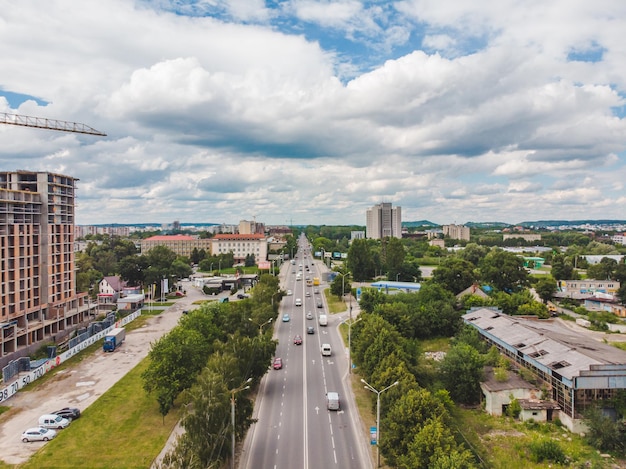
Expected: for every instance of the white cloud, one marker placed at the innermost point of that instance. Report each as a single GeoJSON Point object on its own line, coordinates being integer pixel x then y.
{"type": "Point", "coordinates": [212, 118]}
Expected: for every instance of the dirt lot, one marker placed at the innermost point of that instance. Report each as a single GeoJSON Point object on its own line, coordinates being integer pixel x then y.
{"type": "Point", "coordinates": [82, 385]}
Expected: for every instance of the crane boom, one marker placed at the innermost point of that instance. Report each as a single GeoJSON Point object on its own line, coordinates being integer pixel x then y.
{"type": "Point", "coordinates": [50, 124]}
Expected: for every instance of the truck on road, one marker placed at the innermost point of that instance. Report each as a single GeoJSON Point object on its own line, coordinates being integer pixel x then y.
{"type": "Point", "coordinates": [323, 320]}
{"type": "Point", "coordinates": [114, 339]}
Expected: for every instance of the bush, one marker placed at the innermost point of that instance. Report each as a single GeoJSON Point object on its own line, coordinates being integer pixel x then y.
{"type": "Point", "coordinates": [500, 374]}
{"type": "Point", "coordinates": [514, 408]}
{"type": "Point", "coordinates": [547, 450]}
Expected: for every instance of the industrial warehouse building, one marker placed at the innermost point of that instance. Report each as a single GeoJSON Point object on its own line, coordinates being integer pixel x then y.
{"type": "Point", "coordinates": [573, 370]}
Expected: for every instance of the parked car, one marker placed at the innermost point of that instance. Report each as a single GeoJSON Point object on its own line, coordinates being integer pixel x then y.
{"type": "Point", "coordinates": [242, 296]}
{"type": "Point", "coordinates": [286, 317]}
{"type": "Point", "coordinates": [38, 434]}
{"type": "Point", "coordinates": [70, 413]}
{"type": "Point", "coordinates": [297, 340]}
{"type": "Point", "coordinates": [53, 421]}
{"type": "Point", "coordinates": [310, 330]}
{"type": "Point", "coordinates": [278, 363]}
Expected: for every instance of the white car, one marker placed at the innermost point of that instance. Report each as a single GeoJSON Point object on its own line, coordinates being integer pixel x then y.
{"type": "Point", "coordinates": [298, 302]}
{"type": "Point", "coordinates": [289, 293]}
{"type": "Point", "coordinates": [53, 421]}
{"type": "Point", "coordinates": [38, 434]}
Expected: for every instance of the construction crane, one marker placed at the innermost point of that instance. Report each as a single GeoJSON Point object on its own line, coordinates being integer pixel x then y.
{"type": "Point", "coordinates": [50, 124]}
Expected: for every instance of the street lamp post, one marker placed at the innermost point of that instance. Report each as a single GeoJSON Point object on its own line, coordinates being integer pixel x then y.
{"type": "Point", "coordinates": [397, 276]}
{"type": "Point", "coordinates": [378, 393]}
{"type": "Point", "coordinates": [211, 268]}
{"type": "Point", "coordinates": [261, 325]}
{"type": "Point", "coordinates": [243, 387]}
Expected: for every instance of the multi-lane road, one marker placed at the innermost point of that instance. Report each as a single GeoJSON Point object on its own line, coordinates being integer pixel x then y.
{"type": "Point", "coordinates": [294, 428]}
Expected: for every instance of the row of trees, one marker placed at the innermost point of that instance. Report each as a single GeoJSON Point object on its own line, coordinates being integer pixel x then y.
{"type": "Point", "coordinates": [215, 350]}
{"type": "Point", "coordinates": [417, 422]}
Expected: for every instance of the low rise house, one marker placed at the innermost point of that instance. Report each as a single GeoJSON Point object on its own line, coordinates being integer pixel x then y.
{"type": "Point", "coordinates": [110, 290]}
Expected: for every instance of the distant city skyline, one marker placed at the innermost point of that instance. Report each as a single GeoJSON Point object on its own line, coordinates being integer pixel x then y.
{"type": "Point", "coordinates": [311, 112]}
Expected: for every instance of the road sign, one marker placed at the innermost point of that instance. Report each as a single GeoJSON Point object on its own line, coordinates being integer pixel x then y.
{"type": "Point", "coordinates": [373, 433]}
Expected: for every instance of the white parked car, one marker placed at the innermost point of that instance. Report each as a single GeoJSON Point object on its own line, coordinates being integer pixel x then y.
{"type": "Point", "coordinates": [53, 421]}
{"type": "Point", "coordinates": [38, 434]}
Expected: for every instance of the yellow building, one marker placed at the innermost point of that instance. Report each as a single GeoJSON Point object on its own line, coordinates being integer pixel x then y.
{"type": "Point", "coordinates": [182, 245]}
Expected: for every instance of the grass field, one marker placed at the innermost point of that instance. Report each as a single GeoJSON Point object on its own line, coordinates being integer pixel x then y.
{"type": "Point", "coordinates": [123, 428]}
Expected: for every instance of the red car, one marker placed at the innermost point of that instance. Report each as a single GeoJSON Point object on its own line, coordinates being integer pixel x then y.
{"type": "Point", "coordinates": [297, 340]}
{"type": "Point", "coordinates": [278, 363]}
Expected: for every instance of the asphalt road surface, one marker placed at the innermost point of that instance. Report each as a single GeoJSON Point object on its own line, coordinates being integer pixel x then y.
{"type": "Point", "coordinates": [294, 427]}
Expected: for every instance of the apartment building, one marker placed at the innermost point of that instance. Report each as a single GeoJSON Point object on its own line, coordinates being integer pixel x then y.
{"type": "Point", "coordinates": [383, 221]}
{"type": "Point", "coordinates": [456, 232]}
{"type": "Point", "coordinates": [182, 245]}
{"type": "Point", "coordinates": [524, 236]}
{"type": "Point", "coordinates": [247, 227]}
{"type": "Point", "coordinates": [580, 289]}
{"type": "Point", "coordinates": [38, 299]}
{"type": "Point", "coordinates": [241, 245]}
{"type": "Point", "coordinates": [81, 231]}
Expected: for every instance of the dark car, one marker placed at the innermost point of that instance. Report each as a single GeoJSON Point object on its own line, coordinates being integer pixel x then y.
{"type": "Point", "coordinates": [70, 413]}
{"type": "Point", "coordinates": [310, 330]}
{"type": "Point", "coordinates": [242, 296]}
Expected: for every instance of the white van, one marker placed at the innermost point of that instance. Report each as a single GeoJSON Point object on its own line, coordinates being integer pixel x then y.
{"type": "Point", "coordinates": [326, 350]}
{"type": "Point", "coordinates": [53, 421]}
{"type": "Point", "coordinates": [323, 320]}
{"type": "Point", "coordinates": [332, 401]}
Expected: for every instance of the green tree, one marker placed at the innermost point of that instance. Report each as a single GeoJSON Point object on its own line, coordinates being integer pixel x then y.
{"type": "Point", "coordinates": [604, 433]}
{"type": "Point", "coordinates": [370, 298]}
{"type": "Point", "coordinates": [180, 269]}
{"type": "Point", "coordinates": [175, 360]}
{"type": "Point", "coordinates": [461, 371]}
{"type": "Point", "coordinates": [455, 274]}
{"type": "Point", "coordinates": [88, 276]}
{"type": "Point", "coordinates": [603, 270]}
{"type": "Point", "coordinates": [562, 267]}
{"type": "Point", "coordinates": [403, 419]}
{"type": "Point", "coordinates": [432, 446]}
{"type": "Point", "coordinates": [621, 293]}
{"type": "Point", "coordinates": [339, 282]}
{"type": "Point", "coordinates": [474, 253]}
{"type": "Point", "coordinates": [504, 270]}
{"type": "Point", "coordinates": [394, 256]}
{"type": "Point", "coordinates": [360, 261]}
{"type": "Point", "coordinates": [545, 288]}
{"type": "Point", "coordinates": [132, 269]}
{"type": "Point", "coordinates": [205, 442]}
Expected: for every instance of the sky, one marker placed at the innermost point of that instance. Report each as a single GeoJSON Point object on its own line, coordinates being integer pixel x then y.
{"type": "Point", "coordinates": [310, 112]}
